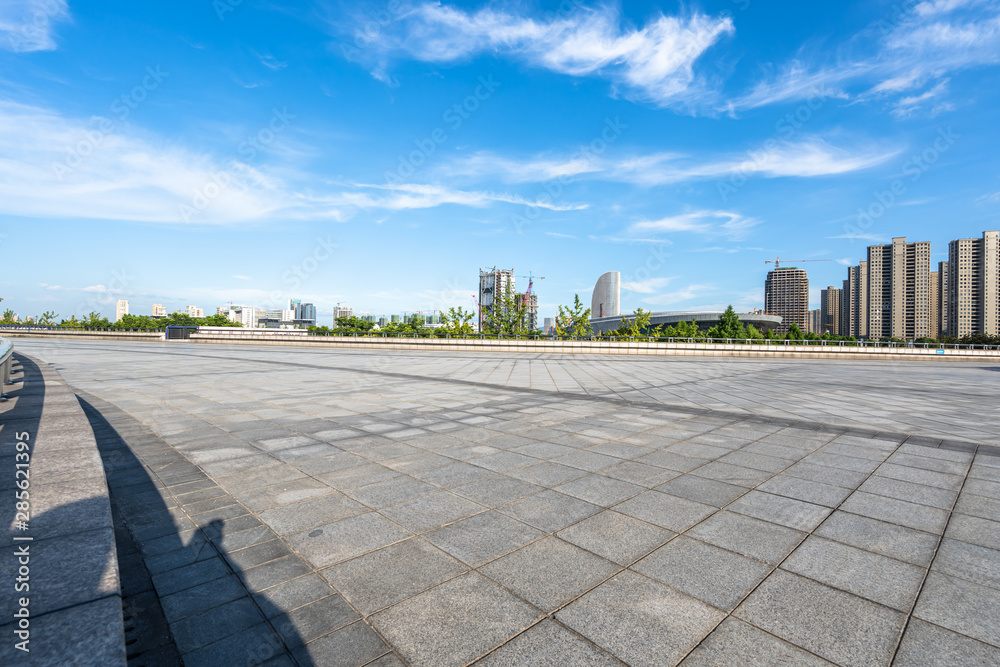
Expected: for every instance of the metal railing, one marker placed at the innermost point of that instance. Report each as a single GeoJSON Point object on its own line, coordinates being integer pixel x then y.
{"type": "Point", "coordinates": [6, 361]}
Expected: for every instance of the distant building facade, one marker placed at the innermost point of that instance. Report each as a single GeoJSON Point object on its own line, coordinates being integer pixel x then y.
{"type": "Point", "coordinates": [815, 321]}
{"type": "Point", "coordinates": [606, 299]}
{"type": "Point", "coordinates": [121, 309]}
{"type": "Point", "coordinates": [974, 285]}
{"type": "Point", "coordinates": [493, 285]}
{"type": "Point", "coordinates": [786, 294]}
{"type": "Point", "coordinates": [830, 300]}
{"type": "Point", "coordinates": [899, 290]}
{"type": "Point", "coordinates": [941, 316]}
{"type": "Point", "coordinates": [159, 310]}
{"type": "Point", "coordinates": [196, 312]}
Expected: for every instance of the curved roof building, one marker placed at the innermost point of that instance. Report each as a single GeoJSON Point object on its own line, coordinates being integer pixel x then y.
{"type": "Point", "coordinates": [705, 320]}
{"type": "Point", "coordinates": [607, 296]}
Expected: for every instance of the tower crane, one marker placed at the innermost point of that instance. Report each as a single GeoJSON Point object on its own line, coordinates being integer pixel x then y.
{"type": "Point", "coordinates": [776, 261]}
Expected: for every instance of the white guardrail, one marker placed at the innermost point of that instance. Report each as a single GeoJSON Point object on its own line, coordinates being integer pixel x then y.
{"type": "Point", "coordinates": [6, 360]}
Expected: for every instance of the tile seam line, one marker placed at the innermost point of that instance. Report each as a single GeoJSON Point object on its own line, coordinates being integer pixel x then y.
{"type": "Point", "coordinates": [927, 572]}
{"type": "Point", "coordinates": [541, 392]}
{"type": "Point", "coordinates": [777, 566]}
{"type": "Point", "coordinates": [88, 397]}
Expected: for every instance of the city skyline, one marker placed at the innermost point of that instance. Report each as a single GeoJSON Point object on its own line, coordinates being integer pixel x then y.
{"type": "Point", "coordinates": [341, 154]}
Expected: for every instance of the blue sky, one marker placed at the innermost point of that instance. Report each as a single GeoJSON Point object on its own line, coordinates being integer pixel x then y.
{"type": "Point", "coordinates": [377, 154]}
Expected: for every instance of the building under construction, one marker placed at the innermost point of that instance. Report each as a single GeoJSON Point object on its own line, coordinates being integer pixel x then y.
{"type": "Point", "coordinates": [494, 285]}
{"type": "Point", "coordinates": [786, 293]}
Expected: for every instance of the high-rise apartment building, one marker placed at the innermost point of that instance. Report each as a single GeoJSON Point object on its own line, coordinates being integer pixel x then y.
{"type": "Point", "coordinates": [305, 313]}
{"type": "Point", "coordinates": [493, 286]}
{"type": "Point", "coordinates": [786, 293]}
{"type": "Point", "coordinates": [159, 310]}
{"type": "Point", "coordinates": [943, 296]}
{"type": "Point", "coordinates": [530, 304]}
{"type": "Point", "coordinates": [854, 302]}
{"type": "Point", "coordinates": [935, 306]}
{"type": "Point", "coordinates": [815, 321]}
{"type": "Point", "coordinates": [830, 299]}
{"type": "Point", "coordinates": [899, 290]}
{"type": "Point", "coordinates": [342, 311]}
{"type": "Point", "coordinates": [195, 311]}
{"type": "Point", "coordinates": [974, 285]}
{"type": "Point", "coordinates": [121, 309]}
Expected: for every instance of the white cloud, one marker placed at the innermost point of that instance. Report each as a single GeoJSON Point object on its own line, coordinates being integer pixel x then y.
{"type": "Point", "coordinates": [647, 286]}
{"type": "Point", "coordinates": [653, 63]}
{"type": "Point", "coordinates": [678, 296]}
{"type": "Point", "coordinates": [28, 25]}
{"type": "Point", "coordinates": [860, 237]}
{"type": "Point", "coordinates": [270, 62]}
{"type": "Point", "coordinates": [714, 223]}
{"type": "Point", "coordinates": [810, 156]}
{"type": "Point", "coordinates": [927, 44]}
{"type": "Point", "coordinates": [911, 103]}
{"type": "Point", "coordinates": [415, 196]}
{"type": "Point", "coordinates": [239, 277]}
{"type": "Point", "coordinates": [560, 236]}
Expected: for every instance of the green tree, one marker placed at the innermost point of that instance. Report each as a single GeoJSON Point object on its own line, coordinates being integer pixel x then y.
{"type": "Point", "coordinates": [507, 316]}
{"type": "Point", "coordinates": [794, 332]}
{"type": "Point", "coordinates": [8, 317]}
{"type": "Point", "coordinates": [753, 333]}
{"type": "Point", "coordinates": [574, 320]}
{"type": "Point", "coordinates": [48, 317]}
{"type": "Point", "coordinates": [729, 326]}
{"type": "Point", "coordinates": [639, 325]}
{"type": "Point", "coordinates": [457, 321]}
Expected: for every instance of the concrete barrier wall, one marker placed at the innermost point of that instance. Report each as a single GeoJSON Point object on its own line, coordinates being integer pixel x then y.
{"type": "Point", "coordinates": [614, 348]}
{"type": "Point", "coordinates": [761, 351]}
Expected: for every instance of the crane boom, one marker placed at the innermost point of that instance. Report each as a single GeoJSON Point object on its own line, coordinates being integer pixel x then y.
{"type": "Point", "coordinates": [777, 261]}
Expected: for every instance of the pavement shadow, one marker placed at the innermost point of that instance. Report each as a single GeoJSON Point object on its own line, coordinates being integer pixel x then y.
{"type": "Point", "coordinates": [184, 560]}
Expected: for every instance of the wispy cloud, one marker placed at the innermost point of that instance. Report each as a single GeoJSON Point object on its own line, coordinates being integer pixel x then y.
{"type": "Point", "coordinates": [239, 277]}
{"type": "Point", "coordinates": [860, 237]}
{"type": "Point", "coordinates": [678, 296]}
{"type": "Point", "coordinates": [713, 223]}
{"type": "Point", "coordinates": [416, 196]}
{"type": "Point", "coordinates": [29, 25]}
{"type": "Point", "coordinates": [270, 62]}
{"type": "Point", "coordinates": [559, 235]}
{"type": "Point", "coordinates": [907, 60]}
{"type": "Point", "coordinates": [653, 63]}
{"type": "Point", "coordinates": [808, 157]}
{"type": "Point", "coordinates": [649, 286]}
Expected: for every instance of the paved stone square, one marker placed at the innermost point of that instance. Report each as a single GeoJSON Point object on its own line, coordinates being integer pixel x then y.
{"type": "Point", "coordinates": [340, 507]}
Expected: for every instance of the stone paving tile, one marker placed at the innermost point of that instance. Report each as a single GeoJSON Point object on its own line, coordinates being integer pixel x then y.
{"type": "Point", "coordinates": [781, 510]}
{"type": "Point", "coordinates": [215, 624]}
{"type": "Point", "coordinates": [699, 489]}
{"type": "Point", "coordinates": [548, 643]}
{"type": "Point", "coordinates": [910, 492]}
{"type": "Point", "coordinates": [433, 511]}
{"type": "Point", "coordinates": [313, 620]}
{"type": "Point", "coordinates": [977, 506]}
{"type": "Point", "coordinates": [974, 530]}
{"type": "Point", "coordinates": [550, 572]}
{"type": "Point", "coordinates": [963, 606]}
{"type": "Point", "coordinates": [483, 537]}
{"type": "Point", "coordinates": [454, 623]}
{"type": "Point", "coordinates": [639, 473]}
{"type": "Point", "coordinates": [292, 594]}
{"type": "Point", "coordinates": [865, 574]}
{"type": "Point", "coordinates": [835, 625]}
{"type": "Point", "coordinates": [311, 513]}
{"type": "Point", "coordinates": [902, 513]}
{"type": "Point", "coordinates": [391, 492]}
{"type": "Point", "coordinates": [351, 646]}
{"type": "Point", "coordinates": [640, 621]}
{"type": "Point", "coordinates": [926, 645]}
{"type": "Point", "coordinates": [745, 535]}
{"type": "Point", "coordinates": [731, 474]}
{"type": "Point", "coordinates": [496, 490]}
{"type": "Point", "coordinates": [809, 491]}
{"type": "Point", "coordinates": [664, 510]}
{"type": "Point", "coordinates": [617, 537]}
{"type": "Point", "coordinates": [549, 510]}
{"type": "Point", "coordinates": [599, 490]}
{"type": "Point", "coordinates": [335, 542]}
{"type": "Point", "coordinates": [548, 473]}
{"type": "Point", "coordinates": [826, 475]}
{"type": "Point", "coordinates": [969, 561]}
{"type": "Point", "coordinates": [713, 575]}
{"type": "Point", "coordinates": [386, 576]}
{"type": "Point", "coordinates": [879, 537]}
{"type": "Point", "coordinates": [737, 644]}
